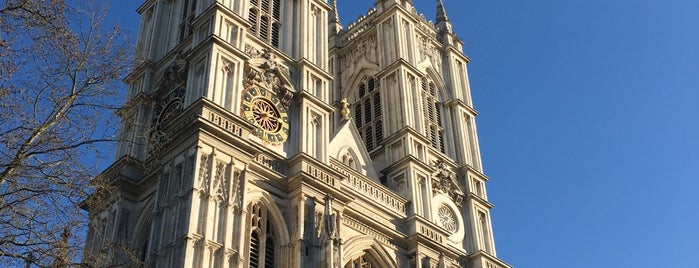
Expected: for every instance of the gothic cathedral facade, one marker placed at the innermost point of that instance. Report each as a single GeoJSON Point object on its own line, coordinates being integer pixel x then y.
{"type": "Point", "coordinates": [265, 133]}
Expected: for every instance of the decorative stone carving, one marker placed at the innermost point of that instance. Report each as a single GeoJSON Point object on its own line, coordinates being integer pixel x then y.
{"type": "Point", "coordinates": [315, 119]}
{"type": "Point", "coordinates": [365, 49]}
{"type": "Point", "coordinates": [330, 218]}
{"type": "Point", "coordinates": [309, 217]}
{"type": "Point", "coordinates": [427, 49]}
{"type": "Point", "coordinates": [318, 224]}
{"type": "Point", "coordinates": [236, 199]}
{"type": "Point", "coordinates": [363, 54]}
{"type": "Point", "coordinates": [444, 181]}
{"type": "Point", "coordinates": [232, 256]}
{"type": "Point", "coordinates": [174, 75]}
{"type": "Point", "coordinates": [429, 52]}
{"type": "Point", "coordinates": [213, 247]}
{"type": "Point", "coordinates": [220, 181]}
{"type": "Point", "coordinates": [204, 174]}
{"type": "Point", "coordinates": [197, 240]}
{"type": "Point", "coordinates": [345, 111]}
{"type": "Point", "coordinates": [264, 70]}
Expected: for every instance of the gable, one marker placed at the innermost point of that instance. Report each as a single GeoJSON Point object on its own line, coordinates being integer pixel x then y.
{"type": "Point", "coordinates": [348, 143]}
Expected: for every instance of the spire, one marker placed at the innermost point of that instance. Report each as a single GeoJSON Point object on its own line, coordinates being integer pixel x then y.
{"type": "Point", "coordinates": [441, 12]}
{"type": "Point", "coordinates": [334, 20]}
{"type": "Point", "coordinates": [443, 23]}
{"type": "Point", "coordinates": [334, 17]}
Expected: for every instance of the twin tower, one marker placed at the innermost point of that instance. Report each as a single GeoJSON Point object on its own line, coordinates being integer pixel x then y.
{"type": "Point", "coordinates": [265, 133]}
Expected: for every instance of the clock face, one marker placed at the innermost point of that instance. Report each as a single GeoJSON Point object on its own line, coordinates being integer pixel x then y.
{"type": "Point", "coordinates": [264, 110]}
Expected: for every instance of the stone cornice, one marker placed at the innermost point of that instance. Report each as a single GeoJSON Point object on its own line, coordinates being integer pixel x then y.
{"type": "Point", "coordinates": [484, 258]}
{"type": "Point", "coordinates": [456, 52]}
{"type": "Point", "coordinates": [480, 200]}
{"type": "Point", "coordinates": [230, 13]}
{"type": "Point", "coordinates": [139, 68]}
{"type": "Point", "coordinates": [401, 133]}
{"type": "Point", "coordinates": [146, 3]}
{"type": "Point", "coordinates": [305, 95]}
{"type": "Point", "coordinates": [462, 104]}
{"type": "Point", "coordinates": [401, 62]}
{"type": "Point", "coordinates": [303, 62]}
{"type": "Point", "coordinates": [466, 169]}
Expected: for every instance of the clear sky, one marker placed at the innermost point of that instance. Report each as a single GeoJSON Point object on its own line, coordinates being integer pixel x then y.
{"type": "Point", "coordinates": [588, 125]}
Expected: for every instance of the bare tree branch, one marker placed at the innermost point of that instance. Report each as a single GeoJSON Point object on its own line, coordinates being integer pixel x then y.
{"type": "Point", "coordinates": [60, 88]}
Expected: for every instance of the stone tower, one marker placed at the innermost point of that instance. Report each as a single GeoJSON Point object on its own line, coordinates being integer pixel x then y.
{"type": "Point", "coordinates": [264, 133]}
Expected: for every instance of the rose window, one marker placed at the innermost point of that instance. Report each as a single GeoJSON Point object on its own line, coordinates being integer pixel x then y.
{"type": "Point", "coordinates": [447, 218]}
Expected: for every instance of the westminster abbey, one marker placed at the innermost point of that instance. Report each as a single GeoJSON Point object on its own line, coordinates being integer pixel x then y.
{"type": "Point", "coordinates": [267, 133]}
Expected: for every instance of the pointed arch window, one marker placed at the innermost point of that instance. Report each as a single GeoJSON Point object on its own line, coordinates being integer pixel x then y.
{"type": "Point", "coordinates": [432, 112]}
{"type": "Point", "coordinates": [348, 160]}
{"type": "Point", "coordinates": [368, 114]}
{"type": "Point", "coordinates": [265, 19]}
{"type": "Point", "coordinates": [366, 260]}
{"type": "Point", "coordinates": [262, 239]}
{"type": "Point", "coordinates": [145, 243]}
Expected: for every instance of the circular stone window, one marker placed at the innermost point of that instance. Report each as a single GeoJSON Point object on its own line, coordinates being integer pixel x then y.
{"type": "Point", "coordinates": [447, 218]}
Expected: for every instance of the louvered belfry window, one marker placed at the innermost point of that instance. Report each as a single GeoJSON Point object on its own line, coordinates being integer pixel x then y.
{"type": "Point", "coordinates": [185, 28]}
{"type": "Point", "coordinates": [432, 111]}
{"type": "Point", "coordinates": [265, 19]}
{"type": "Point", "coordinates": [262, 242]}
{"type": "Point", "coordinates": [368, 115]}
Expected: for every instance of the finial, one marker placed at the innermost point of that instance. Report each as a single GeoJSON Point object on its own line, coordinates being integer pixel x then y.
{"type": "Point", "coordinates": [335, 24]}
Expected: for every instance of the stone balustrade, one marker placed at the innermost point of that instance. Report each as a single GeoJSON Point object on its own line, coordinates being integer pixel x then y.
{"type": "Point", "coordinates": [370, 189]}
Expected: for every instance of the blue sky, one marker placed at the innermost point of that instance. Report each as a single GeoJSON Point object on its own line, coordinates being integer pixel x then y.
{"type": "Point", "coordinates": [588, 125]}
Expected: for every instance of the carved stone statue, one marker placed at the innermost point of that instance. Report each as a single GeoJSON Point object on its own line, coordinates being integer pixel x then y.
{"type": "Point", "coordinates": [345, 112]}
